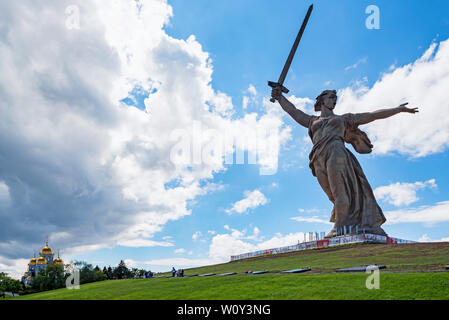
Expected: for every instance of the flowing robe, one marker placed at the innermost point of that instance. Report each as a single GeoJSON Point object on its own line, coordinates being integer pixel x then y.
{"type": "Point", "coordinates": [340, 174]}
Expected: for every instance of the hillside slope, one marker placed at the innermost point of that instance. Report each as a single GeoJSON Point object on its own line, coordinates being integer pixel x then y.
{"type": "Point", "coordinates": [415, 257]}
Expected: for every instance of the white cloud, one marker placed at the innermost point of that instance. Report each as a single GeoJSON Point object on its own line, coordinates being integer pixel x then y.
{"type": "Point", "coordinates": [313, 219]}
{"type": "Point", "coordinates": [245, 102]}
{"type": "Point", "coordinates": [100, 170]}
{"type": "Point", "coordinates": [421, 83]}
{"type": "Point", "coordinates": [180, 250]}
{"type": "Point", "coordinates": [251, 98]}
{"type": "Point", "coordinates": [355, 65]}
{"type": "Point", "coordinates": [130, 263]}
{"type": "Point", "coordinates": [178, 262]}
{"type": "Point", "coordinates": [225, 245]}
{"type": "Point", "coordinates": [426, 238]}
{"type": "Point", "coordinates": [222, 246]}
{"type": "Point", "coordinates": [252, 90]}
{"type": "Point", "coordinates": [13, 267]}
{"type": "Point", "coordinates": [252, 200]}
{"type": "Point", "coordinates": [424, 214]}
{"type": "Point", "coordinates": [196, 235]}
{"type": "Point", "coordinates": [301, 210]}
{"type": "Point", "coordinates": [303, 104]}
{"type": "Point", "coordinates": [400, 194]}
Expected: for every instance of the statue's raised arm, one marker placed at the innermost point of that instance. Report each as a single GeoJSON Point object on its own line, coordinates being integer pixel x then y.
{"type": "Point", "coordinates": [299, 116]}
{"type": "Point", "coordinates": [367, 117]}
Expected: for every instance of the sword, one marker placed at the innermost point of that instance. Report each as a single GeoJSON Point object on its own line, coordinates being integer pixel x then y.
{"type": "Point", "coordinates": [280, 83]}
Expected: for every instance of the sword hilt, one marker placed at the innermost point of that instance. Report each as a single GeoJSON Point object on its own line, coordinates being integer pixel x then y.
{"type": "Point", "coordinates": [277, 85]}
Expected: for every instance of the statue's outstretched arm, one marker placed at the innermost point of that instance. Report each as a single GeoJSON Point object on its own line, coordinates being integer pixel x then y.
{"type": "Point", "coordinates": [299, 116]}
{"type": "Point", "coordinates": [367, 117]}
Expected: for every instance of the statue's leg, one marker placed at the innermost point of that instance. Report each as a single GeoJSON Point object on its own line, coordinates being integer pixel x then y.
{"type": "Point", "coordinates": [340, 187]}
{"type": "Point", "coordinates": [323, 180]}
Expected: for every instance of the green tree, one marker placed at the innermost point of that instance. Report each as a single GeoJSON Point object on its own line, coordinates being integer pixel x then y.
{"type": "Point", "coordinates": [110, 273]}
{"type": "Point", "coordinates": [8, 284]}
{"type": "Point", "coordinates": [53, 277]}
{"type": "Point", "coordinates": [88, 273]}
{"type": "Point", "coordinates": [100, 275]}
{"type": "Point", "coordinates": [121, 271]}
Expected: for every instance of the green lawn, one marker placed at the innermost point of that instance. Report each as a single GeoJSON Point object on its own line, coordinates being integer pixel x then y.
{"type": "Point", "coordinates": [269, 286]}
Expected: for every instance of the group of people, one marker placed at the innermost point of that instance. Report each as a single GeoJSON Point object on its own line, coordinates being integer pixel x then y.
{"type": "Point", "coordinates": [177, 273]}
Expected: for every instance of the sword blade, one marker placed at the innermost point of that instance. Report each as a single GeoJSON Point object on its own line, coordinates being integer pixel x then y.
{"type": "Point", "coordinates": [295, 46]}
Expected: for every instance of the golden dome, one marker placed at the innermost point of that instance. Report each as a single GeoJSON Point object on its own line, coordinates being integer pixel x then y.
{"type": "Point", "coordinates": [41, 260]}
{"type": "Point", "coordinates": [58, 260]}
{"type": "Point", "coordinates": [29, 278]}
{"type": "Point", "coordinates": [26, 273]}
{"type": "Point", "coordinates": [46, 249]}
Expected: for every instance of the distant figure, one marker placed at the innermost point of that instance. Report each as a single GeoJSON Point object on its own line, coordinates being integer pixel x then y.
{"type": "Point", "coordinates": [173, 272]}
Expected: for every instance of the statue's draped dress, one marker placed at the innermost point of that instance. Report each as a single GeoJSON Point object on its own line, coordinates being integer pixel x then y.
{"type": "Point", "coordinates": [341, 176]}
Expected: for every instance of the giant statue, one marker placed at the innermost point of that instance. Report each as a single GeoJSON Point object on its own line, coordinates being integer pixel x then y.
{"type": "Point", "coordinates": [336, 168]}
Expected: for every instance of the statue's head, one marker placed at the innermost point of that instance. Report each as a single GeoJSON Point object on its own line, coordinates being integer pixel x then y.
{"type": "Point", "coordinates": [327, 98]}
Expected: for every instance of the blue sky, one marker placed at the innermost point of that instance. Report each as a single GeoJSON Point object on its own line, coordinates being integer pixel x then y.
{"type": "Point", "coordinates": [247, 42]}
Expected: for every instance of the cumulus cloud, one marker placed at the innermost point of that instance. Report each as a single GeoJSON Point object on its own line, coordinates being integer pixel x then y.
{"type": "Point", "coordinates": [424, 214]}
{"type": "Point", "coordinates": [426, 238]}
{"type": "Point", "coordinates": [81, 165]}
{"type": "Point", "coordinates": [303, 104]}
{"type": "Point", "coordinates": [422, 83]}
{"type": "Point", "coordinates": [402, 194]}
{"type": "Point", "coordinates": [223, 246]}
{"type": "Point", "coordinates": [180, 250]}
{"type": "Point", "coordinates": [313, 219]}
{"type": "Point", "coordinates": [176, 262]}
{"type": "Point", "coordinates": [252, 200]}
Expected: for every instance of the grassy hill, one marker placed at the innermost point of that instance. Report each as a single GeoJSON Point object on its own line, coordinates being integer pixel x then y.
{"type": "Point", "coordinates": [416, 257]}
{"type": "Point", "coordinates": [412, 273]}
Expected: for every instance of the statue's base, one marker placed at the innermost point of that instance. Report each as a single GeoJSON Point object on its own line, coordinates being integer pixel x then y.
{"type": "Point", "coordinates": [336, 232]}
{"type": "Point", "coordinates": [324, 243]}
